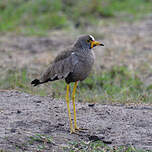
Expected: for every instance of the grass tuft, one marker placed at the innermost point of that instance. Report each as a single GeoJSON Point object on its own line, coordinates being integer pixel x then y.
{"type": "Point", "coordinates": [39, 16]}
{"type": "Point", "coordinates": [98, 146]}
{"type": "Point", "coordinates": [115, 85]}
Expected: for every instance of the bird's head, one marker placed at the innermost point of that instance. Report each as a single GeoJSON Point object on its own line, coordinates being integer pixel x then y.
{"type": "Point", "coordinates": [87, 42]}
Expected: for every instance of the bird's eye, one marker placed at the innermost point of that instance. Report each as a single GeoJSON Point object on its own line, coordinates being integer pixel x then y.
{"type": "Point", "coordinates": [88, 41]}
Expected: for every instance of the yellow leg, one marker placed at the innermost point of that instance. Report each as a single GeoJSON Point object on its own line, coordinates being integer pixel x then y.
{"type": "Point", "coordinates": [68, 106]}
{"type": "Point", "coordinates": [74, 109]}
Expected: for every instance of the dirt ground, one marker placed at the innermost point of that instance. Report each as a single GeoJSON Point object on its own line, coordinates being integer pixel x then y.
{"type": "Point", "coordinates": [23, 115]}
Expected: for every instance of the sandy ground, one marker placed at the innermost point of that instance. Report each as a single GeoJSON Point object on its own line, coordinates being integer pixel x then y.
{"type": "Point", "coordinates": [23, 115]}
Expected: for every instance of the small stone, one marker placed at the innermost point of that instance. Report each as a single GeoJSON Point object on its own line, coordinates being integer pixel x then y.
{"type": "Point", "coordinates": [18, 111]}
{"type": "Point", "coordinates": [37, 101]}
{"type": "Point", "coordinates": [61, 124]}
{"type": "Point", "coordinates": [13, 130]}
{"type": "Point", "coordinates": [94, 138]}
{"type": "Point", "coordinates": [107, 141]}
{"type": "Point", "coordinates": [91, 104]}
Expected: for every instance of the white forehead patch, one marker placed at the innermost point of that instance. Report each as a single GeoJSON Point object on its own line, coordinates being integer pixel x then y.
{"type": "Point", "coordinates": [92, 37]}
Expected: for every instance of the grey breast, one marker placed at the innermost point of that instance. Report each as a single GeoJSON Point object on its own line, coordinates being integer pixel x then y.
{"type": "Point", "coordinates": [85, 61]}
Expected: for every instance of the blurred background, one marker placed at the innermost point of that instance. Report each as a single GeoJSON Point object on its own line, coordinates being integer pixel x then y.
{"type": "Point", "coordinates": [33, 32]}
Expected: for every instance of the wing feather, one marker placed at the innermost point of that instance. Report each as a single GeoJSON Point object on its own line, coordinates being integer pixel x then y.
{"type": "Point", "coordinates": [61, 67]}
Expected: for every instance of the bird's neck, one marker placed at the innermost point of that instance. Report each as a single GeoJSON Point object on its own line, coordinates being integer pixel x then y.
{"type": "Point", "coordinates": [83, 52]}
{"type": "Point", "coordinates": [80, 45]}
{"type": "Point", "coordinates": [81, 49]}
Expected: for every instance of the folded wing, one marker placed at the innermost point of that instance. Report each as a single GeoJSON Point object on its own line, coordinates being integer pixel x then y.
{"type": "Point", "coordinates": [62, 66]}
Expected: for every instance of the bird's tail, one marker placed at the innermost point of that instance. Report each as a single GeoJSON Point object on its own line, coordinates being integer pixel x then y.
{"type": "Point", "coordinates": [35, 82]}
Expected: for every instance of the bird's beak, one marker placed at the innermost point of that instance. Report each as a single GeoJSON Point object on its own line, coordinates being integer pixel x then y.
{"type": "Point", "coordinates": [96, 43]}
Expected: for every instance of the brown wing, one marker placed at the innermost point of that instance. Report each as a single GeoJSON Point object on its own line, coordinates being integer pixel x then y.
{"type": "Point", "coordinates": [63, 64]}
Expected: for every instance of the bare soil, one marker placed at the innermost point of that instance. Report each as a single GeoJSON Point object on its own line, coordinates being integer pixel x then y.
{"type": "Point", "coordinates": [23, 115]}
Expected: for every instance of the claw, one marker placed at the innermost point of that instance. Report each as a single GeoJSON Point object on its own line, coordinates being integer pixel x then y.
{"type": "Point", "coordinates": [80, 129]}
{"type": "Point", "coordinates": [72, 131]}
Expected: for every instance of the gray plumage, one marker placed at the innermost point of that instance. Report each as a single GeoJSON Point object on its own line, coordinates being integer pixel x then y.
{"type": "Point", "coordinates": [72, 65]}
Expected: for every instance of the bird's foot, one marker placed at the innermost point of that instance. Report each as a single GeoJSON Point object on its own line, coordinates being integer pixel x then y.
{"type": "Point", "coordinates": [79, 129]}
{"type": "Point", "coordinates": [72, 131]}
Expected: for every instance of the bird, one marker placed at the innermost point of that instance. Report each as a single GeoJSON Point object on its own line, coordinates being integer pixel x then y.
{"type": "Point", "coordinates": [73, 65]}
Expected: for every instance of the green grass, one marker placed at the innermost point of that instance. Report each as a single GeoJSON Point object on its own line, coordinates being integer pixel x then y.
{"type": "Point", "coordinates": [39, 16]}
{"type": "Point", "coordinates": [33, 16]}
{"type": "Point", "coordinates": [43, 142]}
{"type": "Point", "coordinates": [20, 80]}
{"type": "Point", "coordinates": [98, 146]}
{"type": "Point", "coordinates": [41, 139]}
{"type": "Point", "coordinates": [115, 85]}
